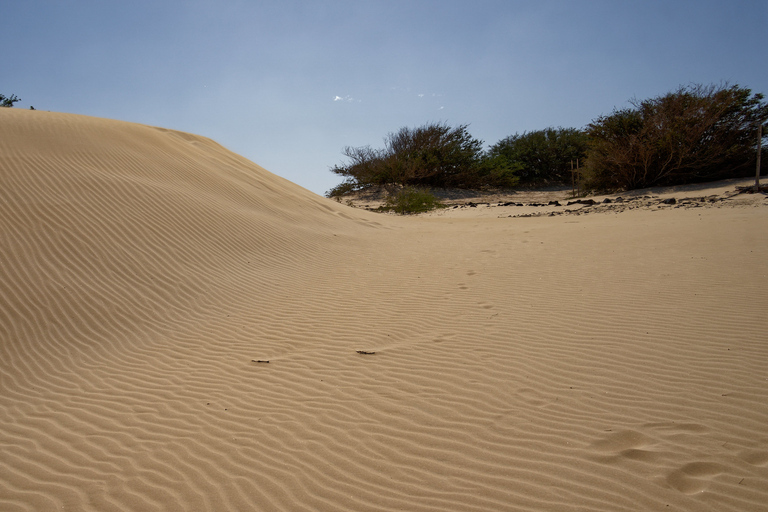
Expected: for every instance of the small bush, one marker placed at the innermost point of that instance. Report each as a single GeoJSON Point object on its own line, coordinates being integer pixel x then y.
{"type": "Point", "coordinates": [412, 200]}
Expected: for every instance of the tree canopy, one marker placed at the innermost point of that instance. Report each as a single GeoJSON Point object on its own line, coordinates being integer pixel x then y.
{"type": "Point", "coordinates": [433, 155]}
{"type": "Point", "coordinates": [696, 133]}
{"type": "Point", "coordinates": [542, 156]}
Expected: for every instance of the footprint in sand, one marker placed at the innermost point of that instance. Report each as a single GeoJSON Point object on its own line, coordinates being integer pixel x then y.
{"type": "Point", "coordinates": [677, 427]}
{"type": "Point", "coordinates": [624, 445]}
{"type": "Point", "coordinates": [755, 458]}
{"type": "Point", "coordinates": [532, 397]}
{"type": "Point", "coordinates": [443, 338]}
{"type": "Point", "coordinates": [694, 477]}
{"type": "Point", "coordinates": [619, 441]}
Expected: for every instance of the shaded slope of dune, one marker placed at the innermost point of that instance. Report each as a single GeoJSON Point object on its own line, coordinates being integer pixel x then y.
{"type": "Point", "coordinates": [126, 222]}
{"type": "Point", "coordinates": [614, 362]}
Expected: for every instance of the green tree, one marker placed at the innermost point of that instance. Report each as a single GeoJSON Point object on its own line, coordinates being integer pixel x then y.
{"type": "Point", "coordinates": [543, 156]}
{"type": "Point", "coordinates": [696, 133]}
{"type": "Point", "coordinates": [433, 155]}
{"type": "Point", "coordinates": [9, 100]}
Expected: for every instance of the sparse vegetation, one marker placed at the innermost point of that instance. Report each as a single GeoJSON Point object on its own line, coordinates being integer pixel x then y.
{"type": "Point", "coordinates": [696, 133]}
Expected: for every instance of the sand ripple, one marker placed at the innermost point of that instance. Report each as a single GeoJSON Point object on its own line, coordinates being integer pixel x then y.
{"type": "Point", "coordinates": [614, 363]}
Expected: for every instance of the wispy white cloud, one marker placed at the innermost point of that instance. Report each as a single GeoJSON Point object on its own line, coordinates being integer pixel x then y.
{"type": "Point", "coordinates": [347, 98]}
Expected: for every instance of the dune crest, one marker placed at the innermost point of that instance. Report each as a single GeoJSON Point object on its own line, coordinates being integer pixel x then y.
{"type": "Point", "coordinates": [182, 330]}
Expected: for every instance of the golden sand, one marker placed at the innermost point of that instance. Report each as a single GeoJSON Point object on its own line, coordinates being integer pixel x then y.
{"type": "Point", "coordinates": [598, 362]}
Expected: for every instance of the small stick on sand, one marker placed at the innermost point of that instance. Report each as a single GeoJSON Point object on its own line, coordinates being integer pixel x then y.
{"type": "Point", "coordinates": [258, 361]}
{"type": "Point", "coordinates": [366, 353]}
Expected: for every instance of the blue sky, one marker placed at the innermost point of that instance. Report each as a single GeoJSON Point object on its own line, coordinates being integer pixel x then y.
{"type": "Point", "coordinates": [288, 84]}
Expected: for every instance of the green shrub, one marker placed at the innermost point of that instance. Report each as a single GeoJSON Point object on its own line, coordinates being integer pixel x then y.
{"type": "Point", "coordinates": [412, 200]}
{"type": "Point", "coordinates": [495, 171]}
{"type": "Point", "coordinates": [433, 155]}
{"type": "Point", "coordinates": [542, 157]}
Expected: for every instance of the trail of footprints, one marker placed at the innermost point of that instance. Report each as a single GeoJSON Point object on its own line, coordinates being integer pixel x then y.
{"type": "Point", "coordinates": [664, 445]}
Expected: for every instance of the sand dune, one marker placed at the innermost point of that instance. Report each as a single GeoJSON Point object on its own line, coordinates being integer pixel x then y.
{"type": "Point", "coordinates": [612, 361]}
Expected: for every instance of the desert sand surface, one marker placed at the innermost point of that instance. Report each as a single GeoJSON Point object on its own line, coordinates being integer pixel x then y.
{"type": "Point", "coordinates": [181, 330]}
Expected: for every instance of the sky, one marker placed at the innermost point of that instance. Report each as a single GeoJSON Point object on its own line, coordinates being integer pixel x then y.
{"type": "Point", "coordinates": [288, 83]}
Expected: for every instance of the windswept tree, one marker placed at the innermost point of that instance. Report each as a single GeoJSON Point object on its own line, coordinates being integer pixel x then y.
{"type": "Point", "coordinates": [696, 133]}
{"type": "Point", "coordinates": [433, 155]}
{"type": "Point", "coordinates": [8, 101]}
{"type": "Point", "coordinates": [544, 156]}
